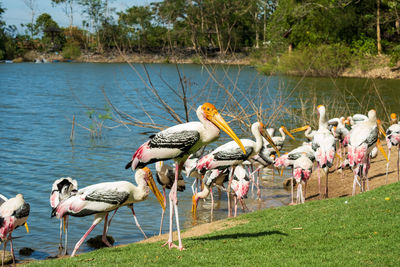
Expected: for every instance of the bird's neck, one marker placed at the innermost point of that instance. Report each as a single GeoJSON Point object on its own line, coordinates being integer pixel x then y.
{"type": "Point", "coordinates": [203, 194]}
{"type": "Point", "coordinates": [141, 191]}
{"type": "Point", "coordinates": [323, 122]}
{"type": "Point", "coordinates": [282, 133]}
{"type": "Point", "coordinates": [259, 139]}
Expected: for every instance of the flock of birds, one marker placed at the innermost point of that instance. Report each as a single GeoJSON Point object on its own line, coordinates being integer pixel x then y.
{"type": "Point", "coordinates": [353, 140]}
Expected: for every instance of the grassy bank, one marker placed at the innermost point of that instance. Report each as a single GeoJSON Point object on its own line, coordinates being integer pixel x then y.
{"type": "Point", "coordinates": [331, 61]}
{"type": "Point", "coordinates": [360, 230]}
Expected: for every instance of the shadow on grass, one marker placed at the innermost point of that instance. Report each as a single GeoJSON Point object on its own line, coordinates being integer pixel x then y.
{"type": "Point", "coordinates": [240, 235]}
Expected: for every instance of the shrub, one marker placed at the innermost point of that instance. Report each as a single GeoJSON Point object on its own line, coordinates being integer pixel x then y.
{"type": "Point", "coordinates": [324, 60]}
{"type": "Point", "coordinates": [71, 51]}
{"type": "Point", "coordinates": [395, 56]}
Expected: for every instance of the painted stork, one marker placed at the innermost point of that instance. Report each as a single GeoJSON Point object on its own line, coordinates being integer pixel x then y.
{"type": "Point", "coordinates": [14, 212]}
{"type": "Point", "coordinates": [357, 118]}
{"type": "Point", "coordinates": [189, 167]}
{"type": "Point", "coordinates": [230, 155]}
{"type": "Point", "coordinates": [100, 199]}
{"type": "Point", "coordinates": [279, 140]}
{"type": "Point", "coordinates": [165, 176]}
{"type": "Point", "coordinates": [363, 137]}
{"type": "Point", "coordinates": [393, 139]}
{"type": "Point", "coordinates": [301, 159]}
{"type": "Point", "coordinates": [62, 189]}
{"type": "Point", "coordinates": [211, 177]}
{"type": "Point", "coordinates": [324, 145]}
{"type": "Point", "coordinates": [178, 142]}
{"type": "Point", "coordinates": [341, 133]}
{"type": "Point", "coordinates": [240, 185]}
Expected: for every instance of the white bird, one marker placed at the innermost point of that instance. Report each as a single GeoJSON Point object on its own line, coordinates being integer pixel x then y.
{"type": "Point", "coordinates": [279, 140]}
{"type": "Point", "coordinates": [189, 167]}
{"type": "Point", "coordinates": [240, 185]}
{"type": "Point", "coordinates": [323, 143]}
{"type": "Point", "coordinates": [357, 118]}
{"type": "Point", "coordinates": [341, 134]}
{"type": "Point", "coordinates": [14, 212]}
{"type": "Point", "coordinates": [178, 142]}
{"type": "Point", "coordinates": [165, 176]}
{"type": "Point", "coordinates": [100, 199]}
{"type": "Point", "coordinates": [211, 177]}
{"type": "Point", "coordinates": [301, 159]}
{"type": "Point", "coordinates": [393, 139]}
{"type": "Point", "coordinates": [230, 155]}
{"type": "Point", "coordinates": [62, 189]}
{"type": "Point", "coordinates": [363, 137]}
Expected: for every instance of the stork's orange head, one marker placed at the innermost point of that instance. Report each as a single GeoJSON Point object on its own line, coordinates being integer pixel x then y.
{"type": "Point", "coordinates": [209, 110]}
{"type": "Point", "coordinates": [393, 116]}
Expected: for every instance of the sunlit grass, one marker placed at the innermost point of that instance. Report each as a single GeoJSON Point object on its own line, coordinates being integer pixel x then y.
{"type": "Point", "coordinates": [360, 230]}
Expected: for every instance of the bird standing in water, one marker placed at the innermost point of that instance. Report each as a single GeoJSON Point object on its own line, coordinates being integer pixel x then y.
{"type": "Point", "coordinates": [178, 143]}
{"type": "Point", "coordinates": [62, 189]}
{"type": "Point", "coordinates": [14, 212]}
{"type": "Point", "coordinates": [100, 199]}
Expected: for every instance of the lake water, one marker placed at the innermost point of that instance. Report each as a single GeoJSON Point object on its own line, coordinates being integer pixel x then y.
{"type": "Point", "coordinates": [38, 102]}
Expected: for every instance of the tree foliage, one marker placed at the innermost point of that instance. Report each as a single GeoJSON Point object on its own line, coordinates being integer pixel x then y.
{"type": "Point", "coordinates": [223, 27]}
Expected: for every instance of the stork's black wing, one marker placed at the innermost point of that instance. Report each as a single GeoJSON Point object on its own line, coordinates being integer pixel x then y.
{"type": "Point", "coordinates": [109, 196]}
{"type": "Point", "coordinates": [182, 140]}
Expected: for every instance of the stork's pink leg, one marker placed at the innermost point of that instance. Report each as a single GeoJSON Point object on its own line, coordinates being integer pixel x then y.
{"type": "Point", "coordinates": [173, 200]}
{"type": "Point", "coordinates": [228, 190]}
{"type": "Point", "coordinates": [235, 198]}
{"type": "Point", "coordinates": [12, 248]}
{"type": "Point", "coordinates": [60, 247]}
{"type": "Point", "coordinates": [398, 161]}
{"type": "Point", "coordinates": [212, 203]}
{"type": "Point", "coordinates": [326, 171]}
{"type": "Point", "coordinates": [319, 181]}
{"type": "Point", "coordinates": [163, 211]}
{"type": "Point", "coordinates": [291, 190]}
{"type": "Point", "coordinates": [66, 235]}
{"type": "Point", "coordinates": [112, 216]}
{"type": "Point", "coordinates": [366, 171]}
{"type": "Point", "coordinates": [97, 219]}
{"type": "Point", "coordinates": [252, 178]}
{"type": "Point", "coordinates": [136, 220]}
{"type": "Point", "coordinates": [105, 230]}
{"type": "Point", "coordinates": [258, 184]}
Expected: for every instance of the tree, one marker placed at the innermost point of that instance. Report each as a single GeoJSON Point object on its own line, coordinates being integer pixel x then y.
{"type": "Point", "coordinates": [138, 18]}
{"type": "Point", "coordinates": [52, 35]}
{"type": "Point", "coordinates": [68, 9]}
{"type": "Point", "coordinates": [31, 4]}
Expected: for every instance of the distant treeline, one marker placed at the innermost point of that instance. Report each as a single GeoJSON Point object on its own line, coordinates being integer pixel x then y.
{"type": "Point", "coordinates": [210, 27]}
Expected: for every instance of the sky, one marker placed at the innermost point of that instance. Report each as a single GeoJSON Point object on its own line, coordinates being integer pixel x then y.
{"type": "Point", "coordinates": [17, 12]}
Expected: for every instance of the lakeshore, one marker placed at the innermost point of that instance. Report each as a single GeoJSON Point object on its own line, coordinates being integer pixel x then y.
{"type": "Point", "coordinates": [381, 70]}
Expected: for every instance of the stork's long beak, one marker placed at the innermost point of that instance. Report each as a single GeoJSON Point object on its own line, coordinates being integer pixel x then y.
{"type": "Point", "coordinates": [223, 125]}
{"type": "Point", "coordinates": [153, 187]}
{"type": "Point", "coordinates": [300, 129]}
{"type": "Point", "coordinates": [26, 227]}
{"type": "Point", "coordinates": [381, 128]}
{"type": "Point", "coordinates": [378, 144]}
{"type": "Point", "coordinates": [194, 205]}
{"type": "Point", "coordinates": [288, 133]}
{"type": "Point", "coordinates": [64, 220]}
{"type": "Point", "coordinates": [270, 141]}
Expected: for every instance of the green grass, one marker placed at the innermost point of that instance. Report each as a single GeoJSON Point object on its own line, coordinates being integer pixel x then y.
{"type": "Point", "coordinates": [363, 231]}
